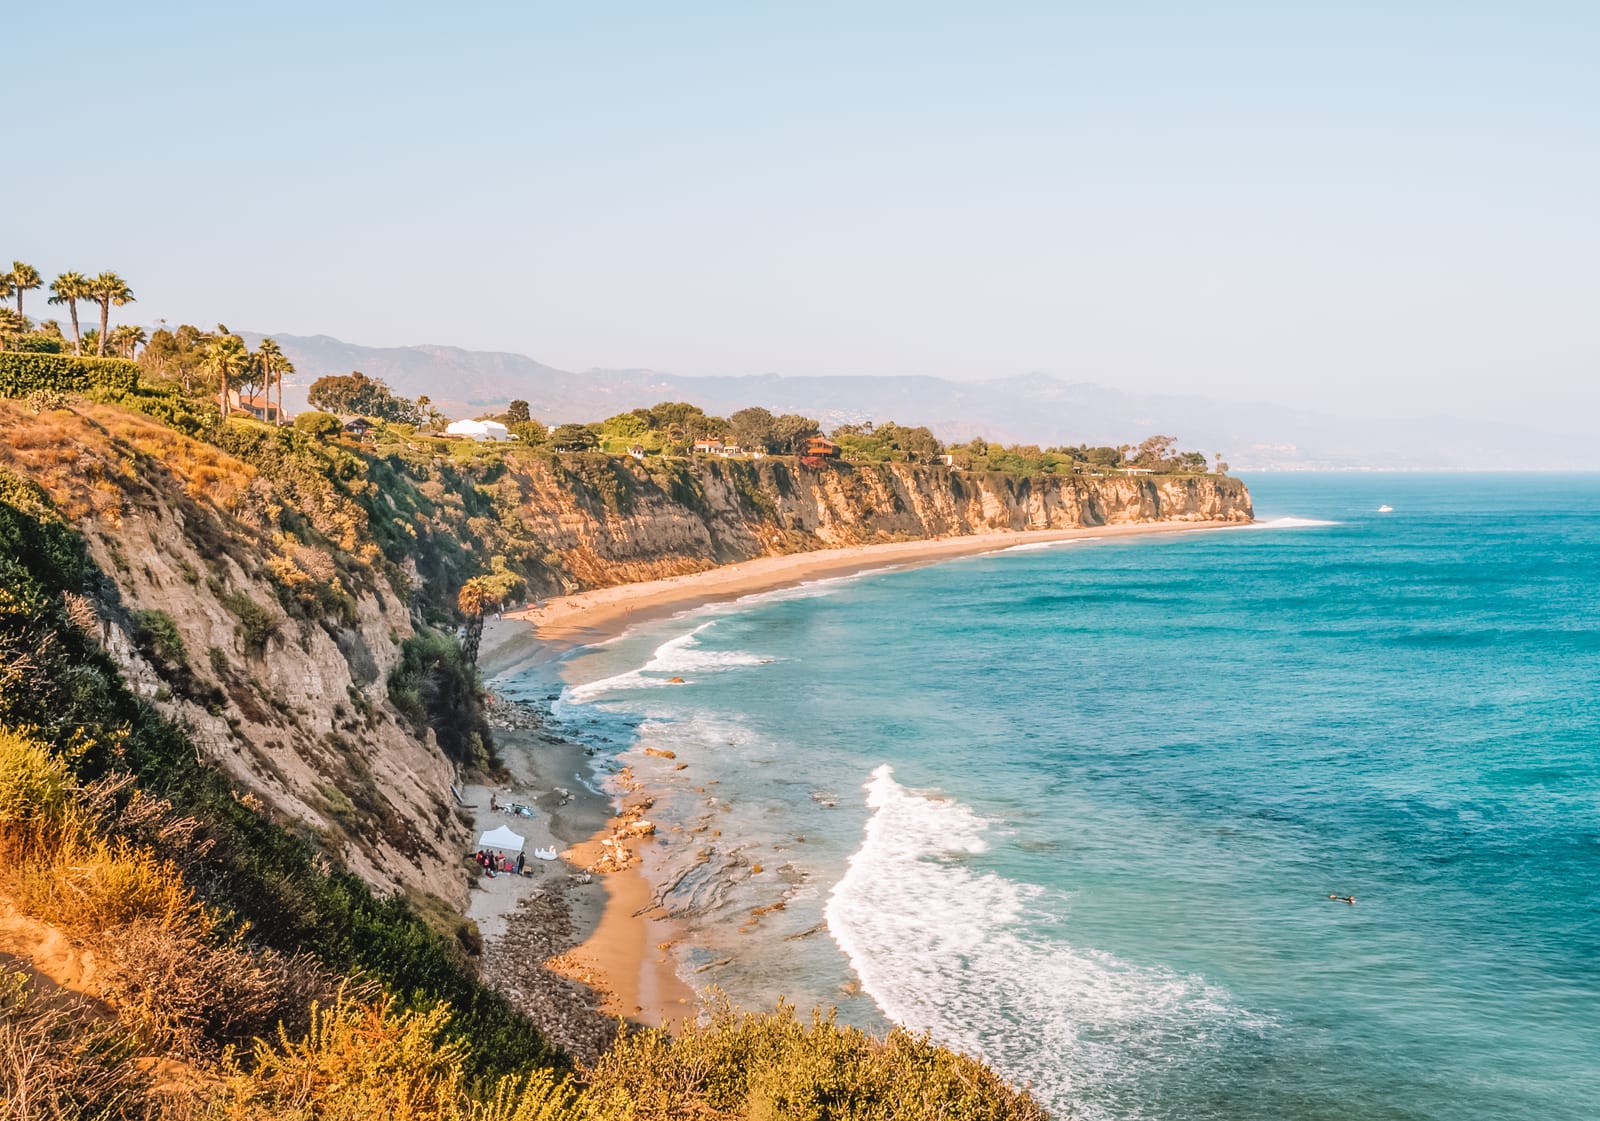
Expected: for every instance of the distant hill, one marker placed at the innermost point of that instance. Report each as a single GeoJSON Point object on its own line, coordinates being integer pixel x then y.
{"type": "Point", "coordinates": [1028, 408]}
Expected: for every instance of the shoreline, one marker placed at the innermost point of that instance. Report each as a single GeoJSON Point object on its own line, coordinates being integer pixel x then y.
{"type": "Point", "coordinates": [619, 944]}
{"type": "Point", "coordinates": [585, 618]}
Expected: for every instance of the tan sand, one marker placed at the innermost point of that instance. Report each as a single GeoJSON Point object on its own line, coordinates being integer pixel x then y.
{"type": "Point", "coordinates": [603, 613]}
{"type": "Point", "coordinates": [624, 956]}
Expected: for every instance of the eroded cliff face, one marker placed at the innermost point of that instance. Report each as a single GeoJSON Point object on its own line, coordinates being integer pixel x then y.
{"type": "Point", "coordinates": [265, 610]}
{"type": "Point", "coordinates": [296, 709]}
{"type": "Point", "coordinates": [650, 523]}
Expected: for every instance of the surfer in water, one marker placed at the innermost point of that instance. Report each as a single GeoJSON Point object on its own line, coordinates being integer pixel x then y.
{"type": "Point", "coordinates": [1342, 898]}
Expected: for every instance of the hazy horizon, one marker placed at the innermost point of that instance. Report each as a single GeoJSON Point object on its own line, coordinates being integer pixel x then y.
{"type": "Point", "coordinates": [1353, 211]}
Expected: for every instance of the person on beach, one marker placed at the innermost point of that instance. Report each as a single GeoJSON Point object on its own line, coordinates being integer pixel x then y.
{"type": "Point", "coordinates": [521, 861]}
{"type": "Point", "coordinates": [494, 803]}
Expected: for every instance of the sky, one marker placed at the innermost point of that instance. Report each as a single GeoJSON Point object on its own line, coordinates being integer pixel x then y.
{"type": "Point", "coordinates": [1370, 208]}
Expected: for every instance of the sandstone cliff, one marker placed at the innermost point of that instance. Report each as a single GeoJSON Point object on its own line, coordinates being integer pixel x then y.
{"type": "Point", "coordinates": [638, 522]}
{"type": "Point", "coordinates": [272, 598]}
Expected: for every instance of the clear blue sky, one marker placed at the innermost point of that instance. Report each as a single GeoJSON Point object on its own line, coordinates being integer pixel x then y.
{"type": "Point", "coordinates": [1365, 206]}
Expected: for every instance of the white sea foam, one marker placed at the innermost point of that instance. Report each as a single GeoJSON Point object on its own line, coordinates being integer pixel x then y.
{"type": "Point", "coordinates": [963, 954]}
{"type": "Point", "coordinates": [1034, 546]}
{"type": "Point", "coordinates": [675, 657]}
{"type": "Point", "coordinates": [1291, 523]}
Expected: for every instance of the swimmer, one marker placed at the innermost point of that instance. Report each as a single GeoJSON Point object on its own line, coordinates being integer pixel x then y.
{"type": "Point", "coordinates": [1342, 898]}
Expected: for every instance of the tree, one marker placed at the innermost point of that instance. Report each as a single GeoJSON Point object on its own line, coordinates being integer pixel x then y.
{"type": "Point", "coordinates": [108, 288]}
{"type": "Point", "coordinates": [517, 413]}
{"type": "Point", "coordinates": [791, 431]}
{"type": "Point", "coordinates": [127, 338]}
{"type": "Point", "coordinates": [356, 393]}
{"type": "Point", "coordinates": [573, 438]}
{"type": "Point", "coordinates": [69, 288]}
{"type": "Point", "coordinates": [12, 325]}
{"type": "Point", "coordinates": [225, 357]}
{"type": "Point", "coordinates": [1154, 450]}
{"type": "Point", "coordinates": [23, 278]}
{"type": "Point", "coordinates": [481, 594]}
{"type": "Point", "coordinates": [754, 428]}
{"type": "Point", "coordinates": [269, 357]}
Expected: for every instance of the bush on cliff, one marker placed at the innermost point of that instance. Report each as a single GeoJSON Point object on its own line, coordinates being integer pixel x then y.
{"type": "Point", "coordinates": [23, 373]}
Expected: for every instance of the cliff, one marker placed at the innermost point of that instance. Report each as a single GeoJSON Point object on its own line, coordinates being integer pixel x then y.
{"type": "Point", "coordinates": [621, 521]}
{"type": "Point", "coordinates": [272, 593]}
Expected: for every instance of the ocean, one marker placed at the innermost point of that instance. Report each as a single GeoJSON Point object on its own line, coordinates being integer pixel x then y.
{"type": "Point", "coordinates": [1079, 809]}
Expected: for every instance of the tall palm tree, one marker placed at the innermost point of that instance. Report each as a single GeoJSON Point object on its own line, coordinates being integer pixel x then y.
{"type": "Point", "coordinates": [69, 288]}
{"type": "Point", "coordinates": [108, 288]}
{"type": "Point", "coordinates": [128, 338]}
{"type": "Point", "coordinates": [274, 364]}
{"type": "Point", "coordinates": [24, 278]}
{"type": "Point", "coordinates": [225, 357]}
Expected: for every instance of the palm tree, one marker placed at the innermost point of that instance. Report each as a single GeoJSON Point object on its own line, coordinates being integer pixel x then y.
{"type": "Point", "coordinates": [24, 278]}
{"type": "Point", "coordinates": [69, 288]}
{"type": "Point", "coordinates": [108, 288]}
{"type": "Point", "coordinates": [128, 338]}
{"type": "Point", "coordinates": [11, 325]}
{"type": "Point", "coordinates": [274, 365]}
{"type": "Point", "coordinates": [225, 356]}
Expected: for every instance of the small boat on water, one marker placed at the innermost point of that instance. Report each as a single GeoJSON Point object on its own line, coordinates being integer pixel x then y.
{"type": "Point", "coordinates": [1385, 509]}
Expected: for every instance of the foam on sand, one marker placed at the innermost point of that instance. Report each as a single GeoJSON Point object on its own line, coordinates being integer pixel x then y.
{"type": "Point", "coordinates": [675, 657]}
{"type": "Point", "coordinates": [971, 957]}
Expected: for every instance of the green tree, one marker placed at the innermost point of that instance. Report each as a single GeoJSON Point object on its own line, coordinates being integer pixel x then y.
{"type": "Point", "coordinates": [127, 338]}
{"type": "Point", "coordinates": [274, 364]}
{"type": "Point", "coordinates": [517, 413]}
{"type": "Point", "coordinates": [69, 288]}
{"type": "Point", "coordinates": [356, 393]}
{"type": "Point", "coordinates": [791, 431]}
{"type": "Point", "coordinates": [24, 278]}
{"type": "Point", "coordinates": [755, 428]}
{"type": "Point", "coordinates": [573, 438]}
{"type": "Point", "coordinates": [106, 289]}
{"type": "Point", "coordinates": [225, 357]}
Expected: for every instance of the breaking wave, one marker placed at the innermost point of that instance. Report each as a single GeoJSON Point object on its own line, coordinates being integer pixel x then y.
{"type": "Point", "coordinates": [677, 657]}
{"type": "Point", "coordinates": [956, 952]}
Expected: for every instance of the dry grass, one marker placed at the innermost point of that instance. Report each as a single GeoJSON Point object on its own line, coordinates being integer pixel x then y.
{"type": "Point", "coordinates": [93, 459]}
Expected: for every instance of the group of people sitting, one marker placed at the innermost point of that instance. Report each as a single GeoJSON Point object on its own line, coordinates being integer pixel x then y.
{"type": "Point", "coordinates": [496, 862]}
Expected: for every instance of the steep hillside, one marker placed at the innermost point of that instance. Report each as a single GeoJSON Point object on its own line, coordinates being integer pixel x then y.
{"type": "Point", "coordinates": [294, 703]}
{"type": "Point", "coordinates": [287, 598]}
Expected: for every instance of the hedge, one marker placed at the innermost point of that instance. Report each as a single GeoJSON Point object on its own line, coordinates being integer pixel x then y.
{"type": "Point", "coordinates": [23, 373]}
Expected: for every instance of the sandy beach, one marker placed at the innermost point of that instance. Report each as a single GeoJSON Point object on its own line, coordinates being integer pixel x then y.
{"type": "Point", "coordinates": [594, 616]}
{"type": "Point", "coordinates": [603, 930]}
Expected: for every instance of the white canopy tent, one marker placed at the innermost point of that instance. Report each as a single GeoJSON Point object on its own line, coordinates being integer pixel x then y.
{"type": "Point", "coordinates": [502, 840]}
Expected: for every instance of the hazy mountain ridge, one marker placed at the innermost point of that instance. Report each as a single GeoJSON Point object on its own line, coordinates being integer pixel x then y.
{"type": "Point", "coordinates": [1025, 408]}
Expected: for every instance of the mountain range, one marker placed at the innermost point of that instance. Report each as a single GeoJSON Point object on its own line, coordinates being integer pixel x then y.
{"type": "Point", "coordinates": [1027, 408]}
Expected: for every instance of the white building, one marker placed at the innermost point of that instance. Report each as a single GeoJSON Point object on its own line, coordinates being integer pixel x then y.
{"type": "Point", "coordinates": [478, 430]}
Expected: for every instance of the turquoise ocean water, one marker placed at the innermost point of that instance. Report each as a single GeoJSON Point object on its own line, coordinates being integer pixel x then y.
{"type": "Point", "coordinates": [1079, 809]}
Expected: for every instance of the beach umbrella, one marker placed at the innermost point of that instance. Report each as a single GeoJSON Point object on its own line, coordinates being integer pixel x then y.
{"type": "Point", "coordinates": [502, 839]}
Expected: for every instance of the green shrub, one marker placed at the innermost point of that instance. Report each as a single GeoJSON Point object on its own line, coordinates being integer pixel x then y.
{"type": "Point", "coordinates": [256, 624]}
{"type": "Point", "coordinates": [434, 687]}
{"type": "Point", "coordinates": [35, 786]}
{"type": "Point", "coordinates": [22, 373]}
{"type": "Point", "coordinates": [157, 637]}
{"type": "Point", "coordinates": [321, 425]}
